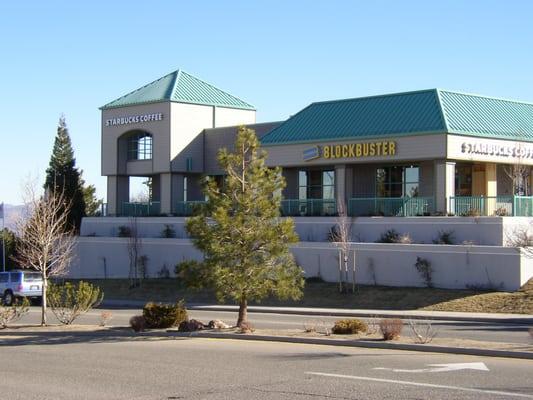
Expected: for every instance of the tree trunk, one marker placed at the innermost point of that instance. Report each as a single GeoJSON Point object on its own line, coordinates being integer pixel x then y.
{"type": "Point", "coordinates": [43, 301]}
{"type": "Point", "coordinates": [243, 311]}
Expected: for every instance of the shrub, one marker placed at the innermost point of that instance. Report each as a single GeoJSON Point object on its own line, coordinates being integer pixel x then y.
{"type": "Point", "coordinates": [422, 331]}
{"type": "Point", "coordinates": [105, 317]}
{"type": "Point", "coordinates": [391, 328]}
{"type": "Point", "coordinates": [168, 232]}
{"type": "Point", "coordinates": [392, 236]}
{"type": "Point", "coordinates": [472, 212]}
{"type": "Point", "coordinates": [349, 326]}
{"type": "Point", "coordinates": [69, 301]}
{"type": "Point", "coordinates": [161, 316]}
{"type": "Point", "coordinates": [444, 237]}
{"type": "Point", "coordinates": [13, 312]}
{"type": "Point", "coordinates": [124, 231]}
{"type": "Point", "coordinates": [423, 266]}
{"type": "Point", "coordinates": [137, 323]}
{"type": "Point", "coordinates": [191, 326]}
{"type": "Point", "coordinates": [501, 212]}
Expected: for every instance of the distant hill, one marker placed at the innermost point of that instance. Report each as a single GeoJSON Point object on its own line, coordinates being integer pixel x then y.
{"type": "Point", "coordinates": [11, 214]}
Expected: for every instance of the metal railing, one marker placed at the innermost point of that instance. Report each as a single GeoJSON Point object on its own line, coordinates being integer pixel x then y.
{"type": "Point", "coordinates": [187, 208]}
{"type": "Point", "coordinates": [308, 207]}
{"type": "Point", "coordinates": [130, 209]}
{"type": "Point", "coordinates": [523, 206]}
{"type": "Point", "coordinates": [473, 206]}
{"type": "Point", "coordinates": [390, 206]}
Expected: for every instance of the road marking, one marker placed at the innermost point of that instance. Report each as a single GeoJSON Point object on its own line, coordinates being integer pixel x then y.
{"type": "Point", "coordinates": [442, 367]}
{"type": "Point", "coordinates": [430, 385]}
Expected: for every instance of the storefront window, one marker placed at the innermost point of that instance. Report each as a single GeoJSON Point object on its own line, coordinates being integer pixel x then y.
{"type": "Point", "coordinates": [397, 181]}
{"type": "Point", "coordinates": [316, 184]}
{"type": "Point", "coordinates": [463, 180]}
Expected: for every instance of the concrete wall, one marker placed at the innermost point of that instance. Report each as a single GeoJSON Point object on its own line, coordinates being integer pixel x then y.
{"type": "Point", "coordinates": [454, 267]}
{"type": "Point", "coordinates": [487, 231]}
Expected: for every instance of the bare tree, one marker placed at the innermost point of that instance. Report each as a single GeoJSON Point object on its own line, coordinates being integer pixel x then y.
{"type": "Point", "coordinates": [134, 247]}
{"type": "Point", "coordinates": [519, 174]}
{"type": "Point", "coordinates": [521, 237]}
{"type": "Point", "coordinates": [341, 235]}
{"type": "Point", "coordinates": [46, 241]}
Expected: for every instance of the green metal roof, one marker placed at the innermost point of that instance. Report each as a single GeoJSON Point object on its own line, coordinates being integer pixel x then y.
{"type": "Point", "coordinates": [181, 87]}
{"type": "Point", "coordinates": [469, 114]}
{"type": "Point", "coordinates": [421, 112]}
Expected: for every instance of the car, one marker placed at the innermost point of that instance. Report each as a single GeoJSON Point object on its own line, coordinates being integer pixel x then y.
{"type": "Point", "coordinates": [20, 283]}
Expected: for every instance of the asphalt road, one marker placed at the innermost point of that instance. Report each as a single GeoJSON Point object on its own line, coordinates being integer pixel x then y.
{"type": "Point", "coordinates": [506, 333]}
{"type": "Point", "coordinates": [146, 368]}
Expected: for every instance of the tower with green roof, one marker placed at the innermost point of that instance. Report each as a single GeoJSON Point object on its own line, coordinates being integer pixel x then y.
{"type": "Point", "coordinates": [156, 130]}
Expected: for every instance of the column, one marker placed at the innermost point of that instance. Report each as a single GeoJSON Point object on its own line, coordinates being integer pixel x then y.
{"type": "Point", "coordinates": [491, 188]}
{"type": "Point", "coordinates": [165, 197]}
{"type": "Point", "coordinates": [118, 192]}
{"type": "Point", "coordinates": [340, 188]}
{"type": "Point", "coordinates": [444, 186]}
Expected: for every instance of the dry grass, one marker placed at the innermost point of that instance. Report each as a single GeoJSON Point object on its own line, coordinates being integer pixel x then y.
{"type": "Point", "coordinates": [326, 295]}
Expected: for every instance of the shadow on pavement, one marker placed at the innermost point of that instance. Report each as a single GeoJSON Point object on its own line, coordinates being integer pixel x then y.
{"type": "Point", "coordinates": [22, 336]}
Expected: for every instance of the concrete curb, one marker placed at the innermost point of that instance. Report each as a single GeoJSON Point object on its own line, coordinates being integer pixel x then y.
{"type": "Point", "coordinates": [364, 344]}
{"type": "Point", "coordinates": [433, 315]}
{"type": "Point", "coordinates": [334, 312]}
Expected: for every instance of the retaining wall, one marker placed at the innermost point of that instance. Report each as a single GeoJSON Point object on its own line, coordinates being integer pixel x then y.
{"type": "Point", "coordinates": [487, 231]}
{"type": "Point", "coordinates": [455, 267]}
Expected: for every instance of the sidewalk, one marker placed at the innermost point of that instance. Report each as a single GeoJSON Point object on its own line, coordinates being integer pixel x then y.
{"type": "Point", "coordinates": [404, 314]}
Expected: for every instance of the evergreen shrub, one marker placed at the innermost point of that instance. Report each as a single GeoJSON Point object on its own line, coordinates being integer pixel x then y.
{"type": "Point", "coordinates": [160, 316]}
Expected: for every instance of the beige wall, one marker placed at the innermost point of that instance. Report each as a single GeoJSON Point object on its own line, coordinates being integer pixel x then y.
{"type": "Point", "coordinates": [408, 148]}
{"type": "Point", "coordinates": [188, 121]}
{"type": "Point", "coordinates": [160, 131]}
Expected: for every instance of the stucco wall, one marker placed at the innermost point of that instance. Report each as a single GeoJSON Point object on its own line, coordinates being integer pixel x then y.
{"type": "Point", "coordinates": [383, 264]}
{"type": "Point", "coordinates": [160, 131]}
{"type": "Point", "coordinates": [489, 231]}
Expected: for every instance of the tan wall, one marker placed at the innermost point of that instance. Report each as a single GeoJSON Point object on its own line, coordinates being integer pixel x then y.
{"type": "Point", "coordinates": [160, 131]}
{"type": "Point", "coordinates": [409, 148]}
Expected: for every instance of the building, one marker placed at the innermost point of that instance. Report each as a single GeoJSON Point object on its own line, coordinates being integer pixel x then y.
{"type": "Point", "coordinates": [402, 161]}
{"type": "Point", "coordinates": [428, 152]}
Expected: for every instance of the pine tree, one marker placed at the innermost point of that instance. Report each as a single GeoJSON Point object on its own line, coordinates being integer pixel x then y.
{"type": "Point", "coordinates": [244, 240]}
{"type": "Point", "coordinates": [62, 176]}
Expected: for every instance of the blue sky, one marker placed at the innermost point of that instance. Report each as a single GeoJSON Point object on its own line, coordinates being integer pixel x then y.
{"type": "Point", "coordinates": [72, 57]}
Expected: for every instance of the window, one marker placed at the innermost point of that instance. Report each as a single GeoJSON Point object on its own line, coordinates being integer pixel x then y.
{"type": "Point", "coordinates": [184, 188]}
{"type": "Point", "coordinates": [397, 181]}
{"type": "Point", "coordinates": [140, 146]}
{"type": "Point", "coordinates": [15, 277]}
{"type": "Point", "coordinates": [4, 277]}
{"type": "Point", "coordinates": [316, 184]}
{"type": "Point", "coordinates": [463, 180]}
